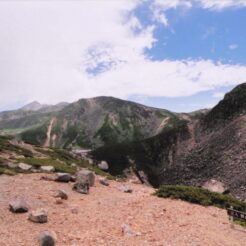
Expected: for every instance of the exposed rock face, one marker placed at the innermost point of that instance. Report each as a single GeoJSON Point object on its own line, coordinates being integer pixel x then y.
{"type": "Point", "coordinates": [62, 177]}
{"type": "Point", "coordinates": [215, 186]}
{"type": "Point", "coordinates": [47, 238]}
{"type": "Point", "coordinates": [201, 147]}
{"type": "Point", "coordinates": [62, 194]}
{"type": "Point", "coordinates": [48, 169]}
{"type": "Point", "coordinates": [18, 206]}
{"type": "Point", "coordinates": [39, 216]}
{"type": "Point", "coordinates": [85, 176]}
{"type": "Point", "coordinates": [24, 167]}
{"type": "Point", "coordinates": [103, 165]}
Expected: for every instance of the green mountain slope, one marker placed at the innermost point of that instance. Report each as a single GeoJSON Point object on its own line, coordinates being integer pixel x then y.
{"type": "Point", "coordinates": [100, 121]}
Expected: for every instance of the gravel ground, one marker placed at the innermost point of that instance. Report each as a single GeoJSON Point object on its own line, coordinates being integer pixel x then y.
{"type": "Point", "coordinates": [101, 214]}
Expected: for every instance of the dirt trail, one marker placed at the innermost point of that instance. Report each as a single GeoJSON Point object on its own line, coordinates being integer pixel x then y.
{"type": "Point", "coordinates": [48, 134]}
{"type": "Point", "coordinates": [157, 221]}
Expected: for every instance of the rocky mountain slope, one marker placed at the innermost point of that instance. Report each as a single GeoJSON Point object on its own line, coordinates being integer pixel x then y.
{"type": "Point", "coordinates": [192, 151]}
{"type": "Point", "coordinates": [90, 123]}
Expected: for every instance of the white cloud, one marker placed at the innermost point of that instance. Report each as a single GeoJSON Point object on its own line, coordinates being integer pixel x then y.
{"type": "Point", "coordinates": [49, 52]}
{"type": "Point", "coordinates": [233, 46]}
{"type": "Point", "coordinates": [221, 4]}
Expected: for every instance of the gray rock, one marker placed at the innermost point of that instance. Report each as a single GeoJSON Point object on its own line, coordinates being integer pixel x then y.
{"type": "Point", "coordinates": [48, 169]}
{"type": "Point", "coordinates": [103, 165]}
{"type": "Point", "coordinates": [214, 186]}
{"type": "Point", "coordinates": [63, 177]}
{"type": "Point", "coordinates": [18, 206]}
{"type": "Point", "coordinates": [24, 167]}
{"type": "Point", "coordinates": [85, 176]}
{"type": "Point", "coordinates": [82, 188]}
{"type": "Point", "coordinates": [39, 216]}
{"type": "Point", "coordinates": [126, 230]}
{"type": "Point", "coordinates": [125, 189]}
{"type": "Point", "coordinates": [62, 194]}
{"type": "Point", "coordinates": [73, 165]}
{"type": "Point", "coordinates": [47, 238]}
{"type": "Point", "coordinates": [104, 181]}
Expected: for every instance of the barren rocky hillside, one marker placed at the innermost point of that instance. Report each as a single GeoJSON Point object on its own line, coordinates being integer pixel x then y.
{"type": "Point", "coordinates": [192, 151]}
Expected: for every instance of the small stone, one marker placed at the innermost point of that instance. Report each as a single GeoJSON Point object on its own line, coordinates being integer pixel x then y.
{"type": "Point", "coordinates": [125, 189]}
{"type": "Point", "coordinates": [104, 181]}
{"type": "Point", "coordinates": [18, 206]}
{"type": "Point", "coordinates": [59, 200]}
{"type": "Point", "coordinates": [24, 167]}
{"type": "Point", "coordinates": [73, 165]}
{"type": "Point", "coordinates": [103, 165]}
{"type": "Point", "coordinates": [39, 216]}
{"type": "Point", "coordinates": [47, 238]}
{"type": "Point", "coordinates": [126, 230]}
{"type": "Point", "coordinates": [48, 169]}
{"type": "Point", "coordinates": [74, 210]}
{"type": "Point", "coordinates": [61, 194]}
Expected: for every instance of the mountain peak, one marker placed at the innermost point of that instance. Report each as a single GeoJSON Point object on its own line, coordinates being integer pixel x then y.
{"type": "Point", "coordinates": [33, 106]}
{"type": "Point", "coordinates": [232, 105]}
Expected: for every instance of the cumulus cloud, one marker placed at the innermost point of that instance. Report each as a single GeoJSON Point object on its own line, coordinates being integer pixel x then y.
{"type": "Point", "coordinates": [55, 51]}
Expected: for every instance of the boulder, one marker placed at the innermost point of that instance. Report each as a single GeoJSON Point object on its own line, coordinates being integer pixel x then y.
{"type": "Point", "coordinates": [214, 186]}
{"type": "Point", "coordinates": [18, 206]}
{"type": "Point", "coordinates": [48, 169]}
{"type": "Point", "coordinates": [24, 167]}
{"type": "Point", "coordinates": [104, 181]}
{"type": "Point", "coordinates": [85, 176]}
{"type": "Point", "coordinates": [47, 238]}
{"type": "Point", "coordinates": [62, 177]}
{"type": "Point", "coordinates": [82, 188]}
{"type": "Point", "coordinates": [62, 194]}
{"type": "Point", "coordinates": [103, 165]}
{"type": "Point", "coordinates": [39, 216]}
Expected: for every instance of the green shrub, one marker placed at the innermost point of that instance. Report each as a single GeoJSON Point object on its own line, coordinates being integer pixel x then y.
{"type": "Point", "coordinates": [200, 196]}
{"type": "Point", "coordinates": [7, 171]}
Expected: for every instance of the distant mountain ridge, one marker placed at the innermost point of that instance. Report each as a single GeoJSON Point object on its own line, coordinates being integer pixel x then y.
{"type": "Point", "coordinates": [94, 122]}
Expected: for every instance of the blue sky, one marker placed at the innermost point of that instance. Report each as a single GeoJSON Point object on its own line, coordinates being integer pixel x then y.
{"type": "Point", "coordinates": [181, 55]}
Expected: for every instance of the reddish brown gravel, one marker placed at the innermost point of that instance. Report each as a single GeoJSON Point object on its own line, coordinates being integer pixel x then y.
{"type": "Point", "coordinates": [97, 218]}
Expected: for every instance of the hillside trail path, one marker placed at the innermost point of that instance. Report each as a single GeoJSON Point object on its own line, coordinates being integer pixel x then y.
{"type": "Point", "coordinates": [101, 214]}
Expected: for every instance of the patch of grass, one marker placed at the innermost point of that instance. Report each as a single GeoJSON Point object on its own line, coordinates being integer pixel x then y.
{"type": "Point", "coordinates": [200, 196]}
{"type": "Point", "coordinates": [58, 165]}
{"type": "Point", "coordinates": [7, 171]}
{"type": "Point", "coordinates": [6, 145]}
